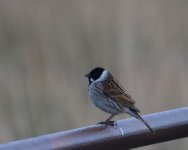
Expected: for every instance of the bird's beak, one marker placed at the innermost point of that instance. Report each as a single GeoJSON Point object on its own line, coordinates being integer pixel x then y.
{"type": "Point", "coordinates": [86, 75]}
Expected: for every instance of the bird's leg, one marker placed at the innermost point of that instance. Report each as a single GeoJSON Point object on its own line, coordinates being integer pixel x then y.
{"type": "Point", "coordinates": [109, 122]}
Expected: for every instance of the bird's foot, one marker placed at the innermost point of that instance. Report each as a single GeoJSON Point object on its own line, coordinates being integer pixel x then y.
{"type": "Point", "coordinates": [109, 123]}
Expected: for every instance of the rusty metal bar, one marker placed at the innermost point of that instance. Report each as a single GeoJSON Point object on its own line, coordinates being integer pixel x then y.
{"type": "Point", "coordinates": [130, 133]}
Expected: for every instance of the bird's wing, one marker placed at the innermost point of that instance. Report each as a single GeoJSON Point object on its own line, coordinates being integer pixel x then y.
{"type": "Point", "coordinates": [116, 92]}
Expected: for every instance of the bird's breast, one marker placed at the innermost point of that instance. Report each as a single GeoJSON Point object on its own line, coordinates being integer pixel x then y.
{"type": "Point", "coordinates": [101, 101]}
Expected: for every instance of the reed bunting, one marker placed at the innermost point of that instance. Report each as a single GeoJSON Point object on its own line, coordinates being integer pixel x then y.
{"type": "Point", "coordinates": [108, 95]}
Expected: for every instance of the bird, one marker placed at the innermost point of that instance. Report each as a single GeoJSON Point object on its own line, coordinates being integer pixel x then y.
{"type": "Point", "coordinates": [108, 94]}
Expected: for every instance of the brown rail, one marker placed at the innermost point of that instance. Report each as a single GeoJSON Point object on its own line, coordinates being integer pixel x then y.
{"type": "Point", "coordinates": [130, 133]}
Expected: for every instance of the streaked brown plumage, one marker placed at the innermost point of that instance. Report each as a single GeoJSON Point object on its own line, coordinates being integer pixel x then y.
{"type": "Point", "coordinates": [115, 91]}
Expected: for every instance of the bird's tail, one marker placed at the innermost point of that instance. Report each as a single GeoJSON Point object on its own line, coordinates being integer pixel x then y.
{"type": "Point", "coordinates": [135, 114]}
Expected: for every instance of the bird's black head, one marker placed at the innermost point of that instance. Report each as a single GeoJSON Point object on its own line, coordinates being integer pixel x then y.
{"type": "Point", "coordinates": [94, 74]}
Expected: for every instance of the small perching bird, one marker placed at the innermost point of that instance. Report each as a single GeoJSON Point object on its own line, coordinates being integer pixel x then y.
{"type": "Point", "coordinates": [109, 95]}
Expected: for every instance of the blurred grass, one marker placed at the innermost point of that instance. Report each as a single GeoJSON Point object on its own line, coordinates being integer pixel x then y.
{"type": "Point", "coordinates": [47, 46]}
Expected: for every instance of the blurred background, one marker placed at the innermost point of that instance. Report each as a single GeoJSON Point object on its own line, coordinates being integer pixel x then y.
{"type": "Point", "coordinates": [47, 46]}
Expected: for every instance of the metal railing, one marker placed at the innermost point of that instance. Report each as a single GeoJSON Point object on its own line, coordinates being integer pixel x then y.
{"type": "Point", "coordinates": [130, 133]}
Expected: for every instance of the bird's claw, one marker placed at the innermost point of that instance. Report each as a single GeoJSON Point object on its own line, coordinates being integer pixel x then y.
{"type": "Point", "coordinates": [109, 123]}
